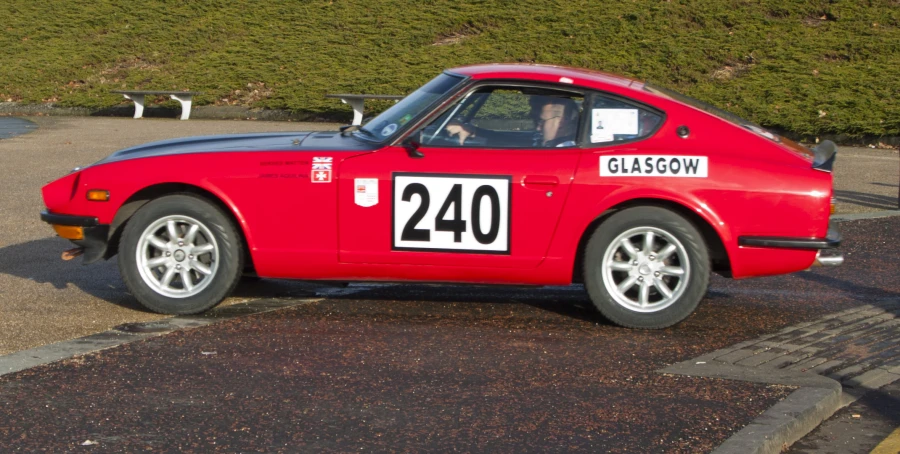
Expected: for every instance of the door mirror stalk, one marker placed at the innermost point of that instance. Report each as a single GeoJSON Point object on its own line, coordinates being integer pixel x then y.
{"type": "Point", "coordinates": [412, 148]}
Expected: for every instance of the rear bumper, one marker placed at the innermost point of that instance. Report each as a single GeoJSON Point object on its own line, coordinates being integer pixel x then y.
{"type": "Point", "coordinates": [96, 235]}
{"type": "Point", "coordinates": [831, 241]}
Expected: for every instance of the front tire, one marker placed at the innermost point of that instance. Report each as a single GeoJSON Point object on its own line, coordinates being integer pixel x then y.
{"type": "Point", "coordinates": [646, 267]}
{"type": "Point", "coordinates": [180, 254]}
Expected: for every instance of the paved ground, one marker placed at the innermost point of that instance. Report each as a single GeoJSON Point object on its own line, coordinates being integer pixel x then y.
{"type": "Point", "coordinates": [417, 366]}
{"type": "Point", "coordinates": [866, 180]}
{"type": "Point", "coordinates": [858, 428]}
{"type": "Point", "coordinates": [42, 298]}
{"type": "Point", "coordinates": [458, 368]}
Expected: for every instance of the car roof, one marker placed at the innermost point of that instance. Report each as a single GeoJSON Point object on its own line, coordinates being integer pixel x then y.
{"type": "Point", "coordinates": [546, 73]}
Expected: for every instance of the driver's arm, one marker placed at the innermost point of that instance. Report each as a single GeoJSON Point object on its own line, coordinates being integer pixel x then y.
{"type": "Point", "coordinates": [460, 130]}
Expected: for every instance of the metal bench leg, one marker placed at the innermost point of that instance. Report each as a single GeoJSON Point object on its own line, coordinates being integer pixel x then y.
{"type": "Point", "coordinates": [357, 105]}
{"type": "Point", "coordinates": [185, 101]}
{"type": "Point", "coordinates": [138, 104]}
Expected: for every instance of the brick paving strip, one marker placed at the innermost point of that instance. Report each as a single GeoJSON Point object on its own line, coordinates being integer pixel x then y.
{"type": "Point", "coordinates": [833, 360]}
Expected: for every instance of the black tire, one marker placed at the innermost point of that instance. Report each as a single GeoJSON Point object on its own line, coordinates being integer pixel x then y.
{"type": "Point", "coordinates": [624, 307]}
{"type": "Point", "coordinates": [225, 263]}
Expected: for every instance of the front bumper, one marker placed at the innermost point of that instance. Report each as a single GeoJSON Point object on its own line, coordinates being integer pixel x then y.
{"type": "Point", "coordinates": [95, 237]}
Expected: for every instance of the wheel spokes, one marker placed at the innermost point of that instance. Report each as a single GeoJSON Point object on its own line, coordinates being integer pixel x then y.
{"type": "Point", "coordinates": [662, 287]}
{"type": "Point", "coordinates": [648, 243]}
{"type": "Point", "coordinates": [645, 269]}
{"type": "Point", "coordinates": [644, 294]}
{"type": "Point", "coordinates": [172, 230]}
{"type": "Point", "coordinates": [620, 266]}
{"type": "Point", "coordinates": [170, 259]}
{"type": "Point", "coordinates": [201, 268]}
{"type": "Point", "coordinates": [203, 249]}
{"type": "Point", "coordinates": [665, 252]}
{"type": "Point", "coordinates": [629, 248]}
{"type": "Point", "coordinates": [167, 278]}
{"type": "Point", "coordinates": [191, 234]}
{"type": "Point", "coordinates": [672, 271]}
{"type": "Point", "coordinates": [157, 262]}
{"type": "Point", "coordinates": [627, 284]}
{"type": "Point", "coordinates": [186, 279]}
{"type": "Point", "coordinates": [158, 243]}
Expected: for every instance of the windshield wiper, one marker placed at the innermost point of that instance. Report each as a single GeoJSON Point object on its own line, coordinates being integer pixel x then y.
{"type": "Point", "coordinates": [367, 133]}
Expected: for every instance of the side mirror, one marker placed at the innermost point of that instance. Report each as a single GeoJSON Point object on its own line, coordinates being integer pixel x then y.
{"type": "Point", "coordinates": [412, 148]}
{"type": "Point", "coordinates": [347, 129]}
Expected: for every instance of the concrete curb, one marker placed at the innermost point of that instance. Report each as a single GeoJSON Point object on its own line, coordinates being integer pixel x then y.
{"type": "Point", "coordinates": [784, 423]}
{"type": "Point", "coordinates": [817, 357]}
{"type": "Point", "coordinates": [132, 332]}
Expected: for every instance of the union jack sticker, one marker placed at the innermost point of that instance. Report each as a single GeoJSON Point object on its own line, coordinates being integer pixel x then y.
{"type": "Point", "coordinates": [321, 170]}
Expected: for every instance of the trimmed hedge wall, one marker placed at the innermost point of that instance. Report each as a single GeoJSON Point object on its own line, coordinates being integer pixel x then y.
{"type": "Point", "coordinates": [805, 67]}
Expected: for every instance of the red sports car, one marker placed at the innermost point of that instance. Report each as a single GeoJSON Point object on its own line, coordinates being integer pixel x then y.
{"type": "Point", "coordinates": [488, 174]}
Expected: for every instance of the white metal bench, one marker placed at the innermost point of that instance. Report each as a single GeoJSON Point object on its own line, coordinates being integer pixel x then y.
{"type": "Point", "coordinates": [184, 97]}
{"type": "Point", "coordinates": [356, 103]}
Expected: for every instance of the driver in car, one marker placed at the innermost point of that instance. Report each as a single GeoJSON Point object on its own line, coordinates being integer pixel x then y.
{"type": "Point", "coordinates": [556, 123]}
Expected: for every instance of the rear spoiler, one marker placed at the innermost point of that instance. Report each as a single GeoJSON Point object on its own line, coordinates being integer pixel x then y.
{"type": "Point", "coordinates": [825, 153]}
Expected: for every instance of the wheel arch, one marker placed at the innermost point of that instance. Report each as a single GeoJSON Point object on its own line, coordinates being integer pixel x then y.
{"type": "Point", "coordinates": [719, 257]}
{"type": "Point", "coordinates": [141, 197]}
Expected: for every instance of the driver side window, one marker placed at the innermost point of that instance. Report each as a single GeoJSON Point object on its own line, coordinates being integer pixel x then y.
{"type": "Point", "coordinates": [508, 117]}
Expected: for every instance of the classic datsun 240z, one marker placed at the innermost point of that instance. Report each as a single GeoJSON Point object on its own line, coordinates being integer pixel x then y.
{"type": "Point", "coordinates": [488, 174]}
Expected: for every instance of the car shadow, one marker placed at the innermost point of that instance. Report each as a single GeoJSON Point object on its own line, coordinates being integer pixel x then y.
{"type": "Point", "coordinates": [883, 202]}
{"type": "Point", "coordinates": [570, 302]}
{"type": "Point", "coordinates": [39, 261]}
{"type": "Point", "coordinates": [856, 291]}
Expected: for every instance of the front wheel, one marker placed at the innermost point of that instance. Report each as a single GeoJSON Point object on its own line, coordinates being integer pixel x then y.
{"type": "Point", "coordinates": [646, 267]}
{"type": "Point", "coordinates": [180, 254]}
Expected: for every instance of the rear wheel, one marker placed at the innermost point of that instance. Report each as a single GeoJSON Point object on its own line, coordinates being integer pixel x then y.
{"type": "Point", "coordinates": [180, 254]}
{"type": "Point", "coordinates": [646, 267]}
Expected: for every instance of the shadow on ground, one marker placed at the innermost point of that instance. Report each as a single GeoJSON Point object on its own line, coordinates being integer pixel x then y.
{"type": "Point", "coordinates": [39, 261]}
{"type": "Point", "coordinates": [881, 202]}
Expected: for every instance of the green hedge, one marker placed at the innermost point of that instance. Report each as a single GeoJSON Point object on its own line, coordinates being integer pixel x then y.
{"type": "Point", "coordinates": [808, 67]}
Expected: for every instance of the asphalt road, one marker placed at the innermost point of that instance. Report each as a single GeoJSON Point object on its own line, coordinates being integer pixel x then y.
{"type": "Point", "coordinates": [417, 367]}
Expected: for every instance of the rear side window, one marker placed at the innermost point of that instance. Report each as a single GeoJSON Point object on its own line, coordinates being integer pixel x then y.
{"type": "Point", "coordinates": [613, 120]}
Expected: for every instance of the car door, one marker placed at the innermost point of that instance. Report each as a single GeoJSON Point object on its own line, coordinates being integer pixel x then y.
{"type": "Point", "coordinates": [492, 200]}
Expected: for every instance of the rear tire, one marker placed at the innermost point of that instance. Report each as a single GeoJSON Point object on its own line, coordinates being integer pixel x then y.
{"type": "Point", "coordinates": [646, 267]}
{"type": "Point", "coordinates": [180, 254]}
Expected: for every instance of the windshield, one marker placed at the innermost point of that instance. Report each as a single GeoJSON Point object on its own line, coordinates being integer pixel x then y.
{"type": "Point", "coordinates": [384, 126]}
{"type": "Point", "coordinates": [727, 116]}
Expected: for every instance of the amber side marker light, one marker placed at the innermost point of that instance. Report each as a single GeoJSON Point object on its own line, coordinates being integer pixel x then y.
{"type": "Point", "coordinates": [98, 195]}
{"type": "Point", "coordinates": [69, 232]}
{"type": "Point", "coordinates": [833, 202]}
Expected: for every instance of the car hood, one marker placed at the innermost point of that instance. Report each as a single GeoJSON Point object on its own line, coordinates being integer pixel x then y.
{"type": "Point", "coordinates": [276, 141]}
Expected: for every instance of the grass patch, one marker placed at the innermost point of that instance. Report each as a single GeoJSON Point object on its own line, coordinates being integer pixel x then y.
{"type": "Point", "coordinates": [808, 67]}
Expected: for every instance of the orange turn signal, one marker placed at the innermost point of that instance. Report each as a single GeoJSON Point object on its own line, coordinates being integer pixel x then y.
{"type": "Point", "coordinates": [98, 195]}
{"type": "Point", "coordinates": [69, 232]}
{"type": "Point", "coordinates": [833, 203]}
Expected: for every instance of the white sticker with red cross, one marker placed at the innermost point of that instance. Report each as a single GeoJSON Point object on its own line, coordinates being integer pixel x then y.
{"type": "Point", "coordinates": [321, 170]}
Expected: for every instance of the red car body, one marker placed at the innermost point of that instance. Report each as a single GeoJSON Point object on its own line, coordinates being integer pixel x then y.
{"type": "Point", "coordinates": [758, 187]}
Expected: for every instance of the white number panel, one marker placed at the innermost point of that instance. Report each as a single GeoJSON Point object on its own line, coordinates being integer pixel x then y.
{"type": "Point", "coordinates": [451, 213]}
